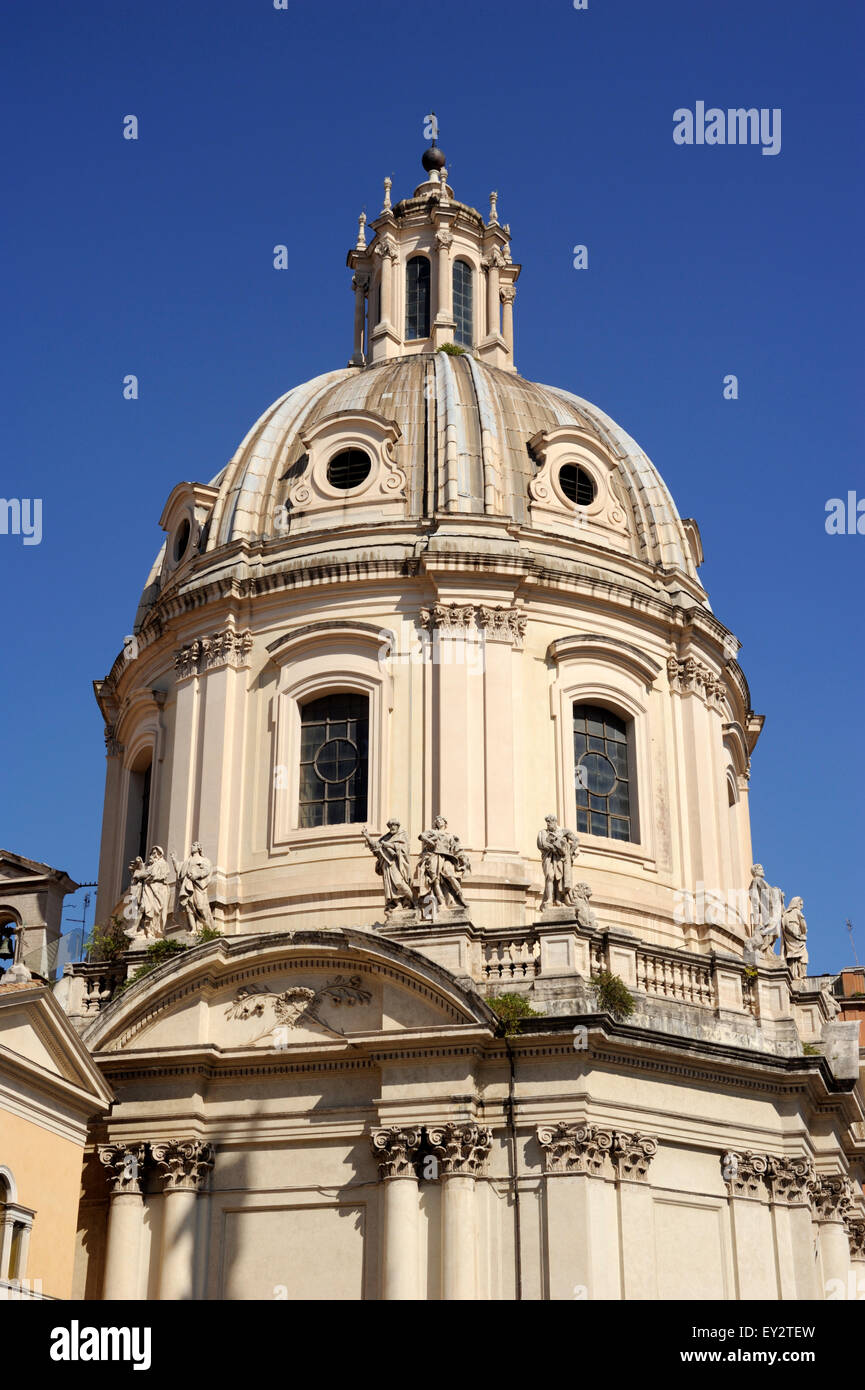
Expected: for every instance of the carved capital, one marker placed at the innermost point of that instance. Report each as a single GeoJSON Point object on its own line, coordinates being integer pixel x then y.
{"type": "Point", "coordinates": [502, 624]}
{"type": "Point", "coordinates": [113, 748]}
{"type": "Point", "coordinates": [123, 1165]}
{"type": "Point", "coordinates": [574, 1148]}
{"type": "Point", "coordinates": [507, 294]}
{"type": "Point", "coordinates": [495, 260]}
{"type": "Point", "coordinates": [461, 1149]}
{"type": "Point", "coordinates": [856, 1236]}
{"type": "Point", "coordinates": [496, 624]}
{"type": "Point", "coordinates": [386, 247]}
{"type": "Point", "coordinates": [632, 1154]}
{"type": "Point", "coordinates": [184, 1163]}
{"type": "Point", "coordinates": [788, 1179]}
{"type": "Point", "coordinates": [444, 240]}
{"type": "Point", "coordinates": [831, 1197]}
{"type": "Point", "coordinates": [360, 282]}
{"type": "Point", "coordinates": [688, 674]}
{"type": "Point", "coordinates": [225, 648]}
{"type": "Point", "coordinates": [395, 1151]}
{"type": "Point", "coordinates": [745, 1173]}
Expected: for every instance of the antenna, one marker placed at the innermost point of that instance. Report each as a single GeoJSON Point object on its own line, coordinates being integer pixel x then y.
{"type": "Point", "coordinates": [852, 942]}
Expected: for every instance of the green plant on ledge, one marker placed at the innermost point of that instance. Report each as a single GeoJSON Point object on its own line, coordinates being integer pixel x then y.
{"type": "Point", "coordinates": [512, 1009]}
{"type": "Point", "coordinates": [453, 350]}
{"type": "Point", "coordinates": [613, 995]}
{"type": "Point", "coordinates": [207, 934]}
{"type": "Point", "coordinates": [107, 943]}
{"type": "Point", "coordinates": [157, 954]}
{"type": "Point", "coordinates": [809, 1050]}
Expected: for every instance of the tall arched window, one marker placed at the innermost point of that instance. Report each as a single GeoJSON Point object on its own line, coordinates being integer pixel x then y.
{"type": "Point", "coordinates": [334, 749]}
{"type": "Point", "coordinates": [602, 773]}
{"type": "Point", "coordinates": [417, 297]}
{"type": "Point", "coordinates": [463, 304]}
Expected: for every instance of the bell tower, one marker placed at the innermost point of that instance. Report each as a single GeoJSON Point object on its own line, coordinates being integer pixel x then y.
{"type": "Point", "coordinates": [433, 274]}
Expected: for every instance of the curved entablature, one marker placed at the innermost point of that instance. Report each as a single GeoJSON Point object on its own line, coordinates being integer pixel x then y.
{"type": "Point", "coordinates": [310, 986]}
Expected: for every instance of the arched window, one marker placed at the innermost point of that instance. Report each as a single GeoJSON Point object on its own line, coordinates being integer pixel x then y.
{"type": "Point", "coordinates": [463, 306]}
{"type": "Point", "coordinates": [334, 746]}
{"type": "Point", "coordinates": [15, 1225]}
{"type": "Point", "coordinates": [417, 296]}
{"type": "Point", "coordinates": [602, 773]}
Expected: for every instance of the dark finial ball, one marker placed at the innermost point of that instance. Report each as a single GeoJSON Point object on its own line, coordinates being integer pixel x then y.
{"type": "Point", "coordinates": [433, 158]}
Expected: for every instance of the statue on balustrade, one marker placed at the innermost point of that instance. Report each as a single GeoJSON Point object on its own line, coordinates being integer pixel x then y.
{"type": "Point", "coordinates": [442, 863]}
{"type": "Point", "coordinates": [794, 931]}
{"type": "Point", "coordinates": [392, 862]}
{"type": "Point", "coordinates": [767, 905]}
{"type": "Point", "coordinates": [586, 915]}
{"type": "Point", "coordinates": [559, 848]}
{"type": "Point", "coordinates": [193, 878]}
{"type": "Point", "coordinates": [148, 897]}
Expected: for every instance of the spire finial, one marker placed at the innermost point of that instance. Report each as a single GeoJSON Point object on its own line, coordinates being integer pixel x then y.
{"type": "Point", "coordinates": [494, 216]}
{"type": "Point", "coordinates": [388, 185]}
{"type": "Point", "coordinates": [433, 158]}
{"type": "Point", "coordinates": [361, 233]}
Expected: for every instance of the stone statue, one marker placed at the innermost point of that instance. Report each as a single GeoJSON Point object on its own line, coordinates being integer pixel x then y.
{"type": "Point", "coordinates": [559, 848]}
{"type": "Point", "coordinates": [767, 905]}
{"type": "Point", "coordinates": [586, 916]}
{"type": "Point", "coordinates": [393, 864]}
{"type": "Point", "coordinates": [193, 877]}
{"type": "Point", "coordinates": [149, 896]}
{"type": "Point", "coordinates": [442, 863]}
{"type": "Point", "coordinates": [794, 930]}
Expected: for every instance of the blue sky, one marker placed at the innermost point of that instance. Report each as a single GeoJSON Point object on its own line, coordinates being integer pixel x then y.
{"type": "Point", "coordinates": [260, 126]}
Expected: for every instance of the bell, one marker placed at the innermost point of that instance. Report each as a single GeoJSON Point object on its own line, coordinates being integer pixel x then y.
{"type": "Point", "coordinates": [7, 946]}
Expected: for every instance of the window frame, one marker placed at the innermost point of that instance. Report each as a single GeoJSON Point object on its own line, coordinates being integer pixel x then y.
{"type": "Point", "coordinates": [418, 337]}
{"type": "Point", "coordinates": [303, 705]}
{"type": "Point", "coordinates": [470, 341]}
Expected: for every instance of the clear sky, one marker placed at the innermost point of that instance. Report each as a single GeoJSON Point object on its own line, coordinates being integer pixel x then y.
{"type": "Point", "coordinates": [261, 126]}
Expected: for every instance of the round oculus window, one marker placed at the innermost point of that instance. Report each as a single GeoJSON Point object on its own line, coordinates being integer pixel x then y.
{"type": "Point", "coordinates": [349, 469]}
{"type": "Point", "coordinates": [181, 539]}
{"type": "Point", "coordinates": [577, 485]}
{"type": "Point", "coordinates": [336, 760]}
{"type": "Point", "coordinates": [596, 773]}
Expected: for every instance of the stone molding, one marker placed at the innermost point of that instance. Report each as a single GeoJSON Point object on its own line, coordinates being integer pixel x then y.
{"type": "Point", "coordinates": [461, 1149]}
{"type": "Point", "coordinates": [395, 1150]}
{"type": "Point", "coordinates": [123, 1165]}
{"type": "Point", "coordinates": [497, 624]}
{"type": "Point", "coordinates": [185, 1164]}
{"type": "Point", "coordinates": [226, 648]}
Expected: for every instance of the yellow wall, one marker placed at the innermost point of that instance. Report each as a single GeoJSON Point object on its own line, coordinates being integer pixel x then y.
{"type": "Point", "coordinates": [47, 1172]}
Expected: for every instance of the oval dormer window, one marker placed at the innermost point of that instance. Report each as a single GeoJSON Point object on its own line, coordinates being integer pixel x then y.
{"type": "Point", "coordinates": [577, 484]}
{"type": "Point", "coordinates": [348, 469]}
{"type": "Point", "coordinates": [181, 540]}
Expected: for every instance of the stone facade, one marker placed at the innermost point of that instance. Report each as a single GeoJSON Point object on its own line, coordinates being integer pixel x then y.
{"type": "Point", "coordinates": [321, 1102]}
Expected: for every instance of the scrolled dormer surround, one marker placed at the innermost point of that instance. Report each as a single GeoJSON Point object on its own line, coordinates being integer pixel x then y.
{"type": "Point", "coordinates": [380, 494]}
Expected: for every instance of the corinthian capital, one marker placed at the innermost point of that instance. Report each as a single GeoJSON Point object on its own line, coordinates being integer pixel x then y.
{"type": "Point", "coordinates": [184, 1163]}
{"type": "Point", "coordinates": [386, 247]}
{"type": "Point", "coordinates": [395, 1151]}
{"type": "Point", "coordinates": [789, 1179]}
{"type": "Point", "coordinates": [831, 1197]}
{"type": "Point", "coordinates": [745, 1173]}
{"type": "Point", "coordinates": [574, 1148]}
{"type": "Point", "coordinates": [123, 1166]}
{"type": "Point", "coordinates": [461, 1149]}
{"type": "Point", "coordinates": [632, 1154]}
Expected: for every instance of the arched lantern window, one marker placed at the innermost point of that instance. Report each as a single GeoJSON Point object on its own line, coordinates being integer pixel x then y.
{"type": "Point", "coordinates": [417, 297]}
{"type": "Point", "coordinates": [463, 304]}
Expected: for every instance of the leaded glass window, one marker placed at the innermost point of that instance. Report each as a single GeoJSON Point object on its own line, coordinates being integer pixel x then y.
{"type": "Point", "coordinates": [417, 296]}
{"type": "Point", "coordinates": [334, 739]}
{"type": "Point", "coordinates": [602, 774]}
{"type": "Point", "coordinates": [463, 308]}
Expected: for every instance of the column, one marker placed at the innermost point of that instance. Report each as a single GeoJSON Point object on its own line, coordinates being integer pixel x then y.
{"type": "Point", "coordinates": [111, 847]}
{"type": "Point", "coordinates": [492, 262]}
{"type": "Point", "coordinates": [395, 1151]}
{"type": "Point", "coordinates": [359, 284]}
{"type": "Point", "coordinates": [185, 1165]}
{"type": "Point", "coordinates": [856, 1237]}
{"type": "Point", "coordinates": [788, 1181]}
{"type": "Point", "coordinates": [125, 1221]}
{"type": "Point", "coordinates": [581, 1256]}
{"type": "Point", "coordinates": [444, 315]}
{"type": "Point", "coordinates": [502, 630]}
{"type": "Point", "coordinates": [751, 1224]}
{"type": "Point", "coordinates": [387, 251]}
{"type": "Point", "coordinates": [461, 1150]}
{"type": "Point", "coordinates": [832, 1201]}
{"type": "Point", "coordinates": [631, 1155]}
{"type": "Point", "coordinates": [507, 294]}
